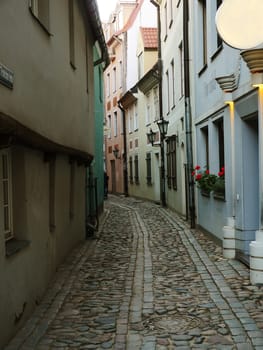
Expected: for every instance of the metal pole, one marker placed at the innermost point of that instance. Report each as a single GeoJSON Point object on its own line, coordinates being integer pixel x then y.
{"type": "Point", "coordinates": [188, 118]}
{"type": "Point", "coordinates": [160, 71]}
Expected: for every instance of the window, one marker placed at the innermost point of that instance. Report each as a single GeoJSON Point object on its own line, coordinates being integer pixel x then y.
{"type": "Point", "coordinates": [140, 65]}
{"type": "Point", "coordinates": [181, 60]}
{"type": "Point", "coordinates": [173, 83]}
{"type": "Point", "coordinates": [171, 162]}
{"type": "Point", "coordinates": [135, 116]}
{"type": "Point", "coordinates": [136, 169]}
{"type": "Point", "coordinates": [203, 32]}
{"type": "Point", "coordinates": [219, 40]}
{"type": "Point", "coordinates": [109, 126]}
{"type": "Point", "coordinates": [131, 170]}
{"type": "Point", "coordinates": [221, 141]}
{"type": "Point", "coordinates": [170, 13]}
{"type": "Point", "coordinates": [168, 91]}
{"type": "Point", "coordinates": [115, 126]}
{"type": "Point", "coordinates": [206, 145]}
{"type": "Point", "coordinates": [130, 120]}
{"type": "Point", "coordinates": [40, 10]}
{"type": "Point", "coordinates": [114, 83]}
{"type": "Point", "coordinates": [108, 84]}
{"type": "Point", "coordinates": [120, 74]}
{"type": "Point", "coordinates": [165, 21]}
{"type": "Point", "coordinates": [156, 103]}
{"type": "Point", "coordinates": [148, 169]}
{"type": "Point", "coordinates": [7, 194]}
{"type": "Point", "coordinates": [71, 33]}
{"type": "Point", "coordinates": [148, 110]}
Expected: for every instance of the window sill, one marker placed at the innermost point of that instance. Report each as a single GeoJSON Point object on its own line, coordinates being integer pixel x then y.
{"type": "Point", "coordinates": [216, 53]}
{"type": "Point", "coordinates": [42, 25]}
{"type": "Point", "coordinates": [202, 70]}
{"type": "Point", "coordinates": [219, 196]}
{"type": "Point", "coordinates": [14, 246]}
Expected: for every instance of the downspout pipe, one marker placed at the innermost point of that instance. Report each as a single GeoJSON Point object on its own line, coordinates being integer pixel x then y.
{"type": "Point", "coordinates": [188, 117]}
{"type": "Point", "coordinates": [160, 71]}
{"type": "Point", "coordinates": [125, 162]}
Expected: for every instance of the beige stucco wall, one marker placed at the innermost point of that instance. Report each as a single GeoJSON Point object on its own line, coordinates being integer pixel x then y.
{"type": "Point", "coordinates": [26, 274]}
{"type": "Point", "coordinates": [48, 96]}
{"type": "Point", "coordinates": [52, 99]}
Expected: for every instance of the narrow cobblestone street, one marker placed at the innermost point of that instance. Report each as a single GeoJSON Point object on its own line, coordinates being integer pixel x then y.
{"type": "Point", "coordinates": [146, 281]}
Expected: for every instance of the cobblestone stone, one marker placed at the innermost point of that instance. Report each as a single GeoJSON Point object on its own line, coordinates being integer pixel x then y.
{"type": "Point", "coordinates": [146, 281]}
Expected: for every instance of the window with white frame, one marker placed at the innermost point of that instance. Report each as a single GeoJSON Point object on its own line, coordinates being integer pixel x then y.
{"type": "Point", "coordinates": [115, 124]}
{"type": "Point", "coordinates": [109, 126]}
{"type": "Point", "coordinates": [135, 116]}
{"type": "Point", "coordinates": [219, 40]}
{"type": "Point", "coordinates": [120, 74]}
{"type": "Point", "coordinates": [203, 33]}
{"type": "Point", "coordinates": [167, 92]}
{"type": "Point", "coordinates": [173, 83]}
{"type": "Point", "coordinates": [165, 21]}
{"type": "Point", "coordinates": [181, 60]}
{"type": "Point", "coordinates": [170, 13]}
{"type": "Point", "coordinates": [71, 33]}
{"type": "Point", "coordinates": [156, 103]}
{"type": "Point", "coordinates": [40, 10]}
{"type": "Point", "coordinates": [130, 120]}
{"type": "Point", "coordinates": [148, 110]}
{"type": "Point", "coordinates": [140, 65]}
{"type": "Point", "coordinates": [114, 83]}
{"type": "Point", "coordinates": [7, 194]}
{"type": "Point", "coordinates": [108, 84]}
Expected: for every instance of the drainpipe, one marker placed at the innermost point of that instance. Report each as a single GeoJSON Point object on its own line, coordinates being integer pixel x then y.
{"type": "Point", "coordinates": [188, 119]}
{"type": "Point", "coordinates": [125, 163]}
{"type": "Point", "coordinates": [160, 70]}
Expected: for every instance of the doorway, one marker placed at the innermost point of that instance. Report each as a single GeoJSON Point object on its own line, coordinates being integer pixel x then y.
{"type": "Point", "coordinates": [247, 196]}
{"type": "Point", "coordinates": [113, 176]}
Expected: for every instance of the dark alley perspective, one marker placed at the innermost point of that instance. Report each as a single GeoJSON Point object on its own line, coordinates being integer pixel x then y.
{"type": "Point", "coordinates": [146, 281]}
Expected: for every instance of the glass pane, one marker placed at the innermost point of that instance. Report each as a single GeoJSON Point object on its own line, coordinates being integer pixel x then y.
{"type": "Point", "coordinates": [5, 192]}
{"type": "Point", "coordinates": [6, 219]}
{"type": "Point", "coordinates": [5, 168]}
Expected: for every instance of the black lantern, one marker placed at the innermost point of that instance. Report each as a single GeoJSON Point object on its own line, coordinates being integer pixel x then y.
{"type": "Point", "coordinates": [116, 153]}
{"type": "Point", "coordinates": [163, 126]}
{"type": "Point", "coordinates": [151, 136]}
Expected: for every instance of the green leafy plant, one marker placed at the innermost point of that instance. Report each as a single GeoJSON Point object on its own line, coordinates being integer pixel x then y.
{"type": "Point", "coordinates": [219, 186]}
{"type": "Point", "coordinates": [204, 180]}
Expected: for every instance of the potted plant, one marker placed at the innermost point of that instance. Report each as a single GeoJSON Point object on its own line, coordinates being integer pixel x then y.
{"type": "Point", "coordinates": [204, 180]}
{"type": "Point", "coordinates": [219, 186]}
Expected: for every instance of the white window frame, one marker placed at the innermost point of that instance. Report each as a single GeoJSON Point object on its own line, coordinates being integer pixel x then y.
{"type": "Point", "coordinates": [115, 124]}
{"type": "Point", "coordinates": [7, 191]}
{"type": "Point", "coordinates": [135, 116]}
{"type": "Point", "coordinates": [148, 110]}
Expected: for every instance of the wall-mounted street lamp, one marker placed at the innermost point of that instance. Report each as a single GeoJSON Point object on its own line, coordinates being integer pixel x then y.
{"type": "Point", "coordinates": [116, 153]}
{"type": "Point", "coordinates": [163, 128]}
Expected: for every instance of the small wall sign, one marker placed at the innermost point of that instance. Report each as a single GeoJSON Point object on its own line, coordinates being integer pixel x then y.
{"type": "Point", "coordinates": [6, 76]}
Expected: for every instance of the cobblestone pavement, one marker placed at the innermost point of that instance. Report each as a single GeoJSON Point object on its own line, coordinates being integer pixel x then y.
{"type": "Point", "coordinates": [147, 281]}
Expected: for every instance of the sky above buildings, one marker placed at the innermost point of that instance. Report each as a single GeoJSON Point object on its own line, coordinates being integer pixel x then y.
{"type": "Point", "coordinates": [105, 8]}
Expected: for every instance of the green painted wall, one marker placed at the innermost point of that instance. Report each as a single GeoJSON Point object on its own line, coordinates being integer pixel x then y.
{"type": "Point", "coordinates": [95, 173]}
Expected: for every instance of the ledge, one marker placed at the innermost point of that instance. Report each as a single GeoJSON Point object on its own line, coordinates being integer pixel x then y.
{"type": "Point", "coordinates": [14, 246]}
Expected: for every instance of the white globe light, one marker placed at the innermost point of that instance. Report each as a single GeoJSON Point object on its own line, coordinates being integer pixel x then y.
{"type": "Point", "coordinates": [240, 24]}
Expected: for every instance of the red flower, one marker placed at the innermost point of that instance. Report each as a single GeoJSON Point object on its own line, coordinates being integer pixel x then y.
{"type": "Point", "coordinates": [207, 172]}
{"type": "Point", "coordinates": [197, 167]}
{"type": "Point", "coordinates": [193, 173]}
{"type": "Point", "coordinates": [198, 177]}
{"type": "Point", "coordinates": [221, 173]}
